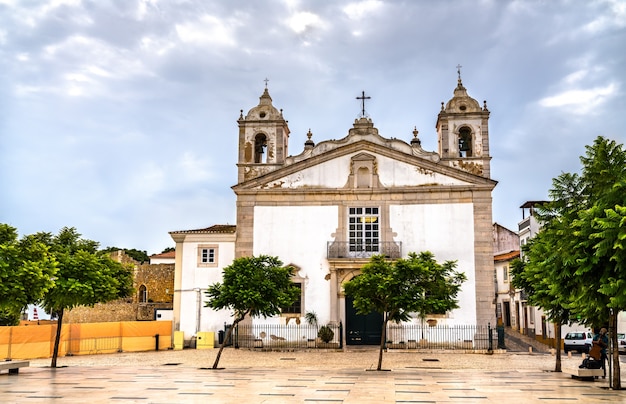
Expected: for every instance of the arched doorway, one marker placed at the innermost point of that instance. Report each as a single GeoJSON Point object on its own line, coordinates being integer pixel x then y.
{"type": "Point", "coordinates": [362, 329]}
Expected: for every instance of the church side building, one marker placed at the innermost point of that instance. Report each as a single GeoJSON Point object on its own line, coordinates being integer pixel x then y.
{"type": "Point", "coordinates": [327, 210]}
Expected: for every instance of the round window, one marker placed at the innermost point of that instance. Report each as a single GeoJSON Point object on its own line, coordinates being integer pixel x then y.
{"type": "Point", "coordinates": [462, 107]}
{"type": "Point", "coordinates": [262, 114]}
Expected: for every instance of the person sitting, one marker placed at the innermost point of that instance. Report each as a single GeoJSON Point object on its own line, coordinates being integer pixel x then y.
{"type": "Point", "coordinates": [598, 350]}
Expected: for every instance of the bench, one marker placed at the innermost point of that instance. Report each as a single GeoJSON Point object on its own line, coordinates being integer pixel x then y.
{"type": "Point", "coordinates": [586, 374]}
{"type": "Point", "coordinates": [13, 366]}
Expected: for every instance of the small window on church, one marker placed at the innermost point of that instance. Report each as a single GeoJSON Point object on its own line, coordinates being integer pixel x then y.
{"type": "Point", "coordinates": [465, 142]}
{"type": "Point", "coordinates": [296, 306]}
{"type": "Point", "coordinates": [260, 144]}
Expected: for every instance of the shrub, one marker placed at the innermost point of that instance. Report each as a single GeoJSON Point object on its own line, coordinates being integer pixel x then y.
{"type": "Point", "coordinates": [325, 334]}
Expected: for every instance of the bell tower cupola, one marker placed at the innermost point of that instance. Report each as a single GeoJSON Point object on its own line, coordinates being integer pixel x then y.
{"type": "Point", "coordinates": [463, 132]}
{"type": "Point", "coordinates": [263, 139]}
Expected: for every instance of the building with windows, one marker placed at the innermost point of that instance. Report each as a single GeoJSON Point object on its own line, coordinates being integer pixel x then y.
{"type": "Point", "coordinates": [328, 209]}
{"type": "Point", "coordinates": [506, 249]}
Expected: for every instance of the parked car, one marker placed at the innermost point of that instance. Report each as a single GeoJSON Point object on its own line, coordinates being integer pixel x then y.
{"type": "Point", "coordinates": [579, 341]}
{"type": "Point", "coordinates": [621, 343]}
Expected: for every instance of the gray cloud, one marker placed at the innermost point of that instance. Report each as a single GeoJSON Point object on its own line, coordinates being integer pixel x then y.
{"type": "Point", "coordinates": [119, 117]}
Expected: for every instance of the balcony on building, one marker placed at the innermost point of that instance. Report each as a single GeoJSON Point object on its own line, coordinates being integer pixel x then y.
{"type": "Point", "coordinates": [351, 250]}
{"type": "Point", "coordinates": [524, 224]}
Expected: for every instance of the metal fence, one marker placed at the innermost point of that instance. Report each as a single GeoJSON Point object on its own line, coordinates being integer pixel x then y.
{"type": "Point", "coordinates": [399, 336]}
{"type": "Point", "coordinates": [416, 336]}
{"type": "Point", "coordinates": [93, 345]}
{"type": "Point", "coordinates": [291, 336]}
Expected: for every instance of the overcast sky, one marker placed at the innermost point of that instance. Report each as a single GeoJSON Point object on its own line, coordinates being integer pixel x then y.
{"type": "Point", "coordinates": [119, 117]}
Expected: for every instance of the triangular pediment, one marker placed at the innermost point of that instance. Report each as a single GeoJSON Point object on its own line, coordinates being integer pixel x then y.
{"type": "Point", "coordinates": [349, 167]}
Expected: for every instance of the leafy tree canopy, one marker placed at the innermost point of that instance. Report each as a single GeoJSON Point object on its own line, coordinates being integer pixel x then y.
{"type": "Point", "coordinates": [27, 269]}
{"type": "Point", "coordinates": [417, 284]}
{"type": "Point", "coordinates": [578, 258]}
{"type": "Point", "coordinates": [258, 286]}
{"type": "Point", "coordinates": [85, 276]}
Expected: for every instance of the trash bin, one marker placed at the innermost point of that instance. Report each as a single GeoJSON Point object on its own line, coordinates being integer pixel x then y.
{"type": "Point", "coordinates": [220, 337]}
{"type": "Point", "coordinates": [501, 344]}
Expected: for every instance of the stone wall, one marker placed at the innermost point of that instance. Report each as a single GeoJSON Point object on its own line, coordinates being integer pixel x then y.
{"type": "Point", "coordinates": [159, 282]}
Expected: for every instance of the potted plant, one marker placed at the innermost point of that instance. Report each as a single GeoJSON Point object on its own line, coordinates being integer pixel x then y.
{"type": "Point", "coordinates": [311, 319]}
{"type": "Point", "coordinates": [325, 334]}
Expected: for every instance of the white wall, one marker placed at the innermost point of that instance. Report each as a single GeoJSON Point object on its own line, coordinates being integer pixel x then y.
{"type": "Point", "coordinates": [298, 235]}
{"type": "Point", "coordinates": [446, 230]}
{"type": "Point", "coordinates": [392, 173]}
{"type": "Point", "coordinates": [195, 281]}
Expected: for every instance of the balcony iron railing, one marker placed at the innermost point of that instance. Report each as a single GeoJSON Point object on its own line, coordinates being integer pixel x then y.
{"type": "Point", "coordinates": [347, 249]}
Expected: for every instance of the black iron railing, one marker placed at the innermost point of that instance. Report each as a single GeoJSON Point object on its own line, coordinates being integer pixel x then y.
{"type": "Point", "coordinates": [416, 336]}
{"type": "Point", "coordinates": [291, 336]}
{"type": "Point", "coordinates": [347, 249]}
{"type": "Point", "coordinates": [398, 336]}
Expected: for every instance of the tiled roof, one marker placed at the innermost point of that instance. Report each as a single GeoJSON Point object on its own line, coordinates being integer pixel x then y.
{"type": "Point", "coordinates": [217, 228]}
{"type": "Point", "coordinates": [169, 254]}
{"type": "Point", "coordinates": [506, 256]}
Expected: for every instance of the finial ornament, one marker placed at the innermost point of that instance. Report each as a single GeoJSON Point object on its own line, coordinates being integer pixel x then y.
{"type": "Point", "coordinates": [363, 98]}
{"type": "Point", "coordinates": [458, 71]}
{"type": "Point", "coordinates": [266, 80]}
{"type": "Point", "coordinates": [415, 140]}
{"type": "Point", "coordinates": [309, 134]}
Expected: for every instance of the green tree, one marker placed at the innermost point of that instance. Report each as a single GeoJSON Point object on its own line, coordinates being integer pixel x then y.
{"type": "Point", "coordinates": [255, 286]}
{"type": "Point", "coordinates": [26, 272]}
{"type": "Point", "coordinates": [582, 252]}
{"type": "Point", "coordinates": [537, 278]}
{"type": "Point", "coordinates": [417, 284]}
{"type": "Point", "coordinates": [9, 316]}
{"type": "Point", "coordinates": [85, 277]}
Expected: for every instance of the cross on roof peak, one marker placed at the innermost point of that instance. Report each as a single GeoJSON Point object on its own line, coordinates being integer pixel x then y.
{"type": "Point", "coordinates": [363, 97]}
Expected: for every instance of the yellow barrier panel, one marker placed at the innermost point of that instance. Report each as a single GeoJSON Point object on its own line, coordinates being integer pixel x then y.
{"type": "Point", "coordinates": [37, 341]}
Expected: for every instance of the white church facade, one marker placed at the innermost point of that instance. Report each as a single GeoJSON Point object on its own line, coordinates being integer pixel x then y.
{"type": "Point", "coordinates": [328, 209]}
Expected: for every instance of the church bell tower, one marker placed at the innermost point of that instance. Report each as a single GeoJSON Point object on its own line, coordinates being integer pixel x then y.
{"type": "Point", "coordinates": [463, 131]}
{"type": "Point", "coordinates": [263, 139]}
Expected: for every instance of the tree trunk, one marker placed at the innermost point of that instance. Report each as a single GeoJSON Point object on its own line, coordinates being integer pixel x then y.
{"type": "Point", "coordinates": [57, 339]}
{"type": "Point", "coordinates": [228, 337]}
{"type": "Point", "coordinates": [616, 381]}
{"type": "Point", "coordinates": [382, 342]}
{"type": "Point", "coordinates": [557, 345]}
